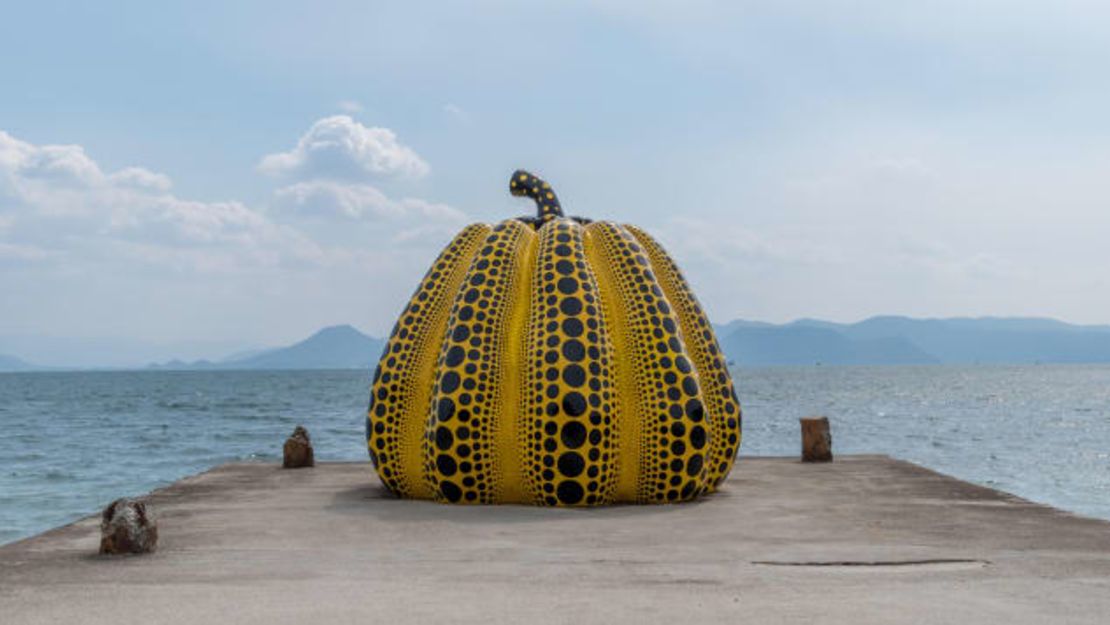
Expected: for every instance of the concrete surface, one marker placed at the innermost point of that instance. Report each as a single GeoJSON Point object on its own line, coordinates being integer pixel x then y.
{"type": "Point", "coordinates": [865, 539]}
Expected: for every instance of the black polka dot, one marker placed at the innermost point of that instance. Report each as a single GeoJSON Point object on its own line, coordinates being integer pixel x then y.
{"type": "Point", "coordinates": [573, 435]}
{"type": "Point", "coordinates": [449, 382]}
{"type": "Point", "coordinates": [690, 386]}
{"type": "Point", "coordinates": [444, 438]}
{"type": "Point", "coordinates": [564, 267]}
{"type": "Point", "coordinates": [574, 351]}
{"type": "Point", "coordinates": [446, 409]}
{"type": "Point", "coordinates": [693, 467]}
{"type": "Point", "coordinates": [460, 334]}
{"type": "Point", "coordinates": [694, 410]}
{"type": "Point", "coordinates": [450, 490]}
{"type": "Point", "coordinates": [574, 375]}
{"type": "Point", "coordinates": [571, 464]}
{"type": "Point", "coordinates": [455, 356]}
{"type": "Point", "coordinates": [572, 327]}
{"type": "Point", "coordinates": [569, 492]}
{"type": "Point", "coordinates": [697, 436]}
{"type": "Point", "coordinates": [446, 465]}
{"type": "Point", "coordinates": [574, 404]}
{"type": "Point", "coordinates": [562, 250]}
{"type": "Point", "coordinates": [568, 286]}
{"type": "Point", "coordinates": [688, 489]}
{"type": "Point", "coordinates": [570, 306]}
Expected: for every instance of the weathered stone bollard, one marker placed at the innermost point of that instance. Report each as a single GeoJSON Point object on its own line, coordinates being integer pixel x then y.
{"type": "Point", "coordinates": [298, 450]}
{"type": "Point", "coordinates": [128, 526]}
{"type": "Point", "coordinates": [816, 440]}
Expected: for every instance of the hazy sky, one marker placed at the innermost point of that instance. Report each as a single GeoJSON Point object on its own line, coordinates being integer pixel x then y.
{"type": "Point", "coordinates": [250, 173]}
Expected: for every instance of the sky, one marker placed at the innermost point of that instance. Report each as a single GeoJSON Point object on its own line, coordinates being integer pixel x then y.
{"type": "Point", "coordinates": [212, 176]}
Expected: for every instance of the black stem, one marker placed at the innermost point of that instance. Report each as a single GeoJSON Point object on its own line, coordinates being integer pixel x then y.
{"type": "Point", "coordinates": [547, 204]}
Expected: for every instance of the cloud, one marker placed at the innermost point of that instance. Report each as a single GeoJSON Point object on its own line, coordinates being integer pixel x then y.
{"type": "Point", "coordinates": [56, 164]}
{"type": "Point", "coordinates": [338, 147]}
{"type": "Point", "coordinates": [132, 256]}
{"type": "Point", "coordinates": [324, 198]}
{"type": "Point", "coordinates": [59, 204]}
{"type": "Point", "coordinates": [350, 106]}
{"type": "Point", "coordinates": [139, 178]}
{"type": "Point", "coordinates": [725, 244]}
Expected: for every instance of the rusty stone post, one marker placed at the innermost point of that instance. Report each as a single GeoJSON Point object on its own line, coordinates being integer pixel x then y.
{"type": "Point", "coordinates": [816, 440]}
{"type": "Point", "coordinates": [128, 526]}
{"type": "Point", "coordinates": [297, 452]}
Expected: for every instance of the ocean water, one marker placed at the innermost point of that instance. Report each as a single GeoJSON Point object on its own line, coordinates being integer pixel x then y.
{"type": "Point", "coordinates": [72, 442]}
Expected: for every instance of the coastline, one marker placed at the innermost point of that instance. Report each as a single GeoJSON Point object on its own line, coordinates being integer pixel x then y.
{"type": "Point", "coordinates": [864, 539]}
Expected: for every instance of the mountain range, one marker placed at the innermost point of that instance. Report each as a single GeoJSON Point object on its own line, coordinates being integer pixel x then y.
{"type": "Point", "coordinates": [334, 347]}
{"type": "Point", "coordinates": [902, 340]}
{"type": "Point", "coordinates": [876, 341]}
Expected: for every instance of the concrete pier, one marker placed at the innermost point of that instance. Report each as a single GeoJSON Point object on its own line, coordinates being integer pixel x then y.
{"type": "Point", "coordinates": [866, 539]}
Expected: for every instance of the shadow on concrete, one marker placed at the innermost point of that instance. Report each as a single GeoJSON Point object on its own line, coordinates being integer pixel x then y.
{"type": "Point", "coordinates": [376, 501]}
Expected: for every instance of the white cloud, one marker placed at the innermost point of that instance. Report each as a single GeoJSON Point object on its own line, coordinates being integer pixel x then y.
{"type": "Point", "coordinates": [61, 204]}
{"type": "Point", "coordinates": [339, 147]}
{"type": "Point", "coordinates": [321, 198]}
{"type": "Point", "coordinates": [136, 258]}
{"type": "Point", "coordinates": [350, 106]}
{"type": "Point", "coordinates": [140, 178]}
{"type": "Point", "coordinates": [325, 198]}
{"type": "Point", "coordinates": [56, 164]}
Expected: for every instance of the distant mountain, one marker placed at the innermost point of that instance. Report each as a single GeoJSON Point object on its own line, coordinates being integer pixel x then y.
{"type": "Point", "coordinates": [335, 347]}
{"type": "Point", "coordinates": [876, 341]}
{"type": "Point", "coordinates": [47, 351]}
{"type": "Point", "coordinates": [799, 344]}
{"type": "Point", "coordinates": [11, 363]}
{"type": "Point", "coordinates": [902, 340]}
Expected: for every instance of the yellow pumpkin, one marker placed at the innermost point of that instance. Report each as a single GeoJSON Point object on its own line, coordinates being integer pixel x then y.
{"type": "Point", "coordinates": [552, 361]}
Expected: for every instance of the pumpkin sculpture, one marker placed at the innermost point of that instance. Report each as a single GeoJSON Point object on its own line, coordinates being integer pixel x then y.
{"type": "Point", "coordinates": [553, 361]}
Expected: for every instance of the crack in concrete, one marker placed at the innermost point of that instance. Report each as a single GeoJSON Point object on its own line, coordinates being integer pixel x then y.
{"type": "Point", "coordinates": [873, 563]}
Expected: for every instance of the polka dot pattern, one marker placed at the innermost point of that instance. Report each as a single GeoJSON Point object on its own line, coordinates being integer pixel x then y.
{"type": "Point", "coordinates": [547, 204]}
{"type": "Point", "coordinates": [552, 361]}
{"type": "Point", "coordinates": [721, 404]}
{"type": "Point", "coordinates": [675, 434]}
{"type": "Point", "coordinates": [397, 390]}
{"type": "Point", "coordinates": [459, 440]}
{"type": "Point", "coordinates": [568, 437]}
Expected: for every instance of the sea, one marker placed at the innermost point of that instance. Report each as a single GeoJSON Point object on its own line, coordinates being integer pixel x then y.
{"type": "Point", "coordinates": [72, 442]}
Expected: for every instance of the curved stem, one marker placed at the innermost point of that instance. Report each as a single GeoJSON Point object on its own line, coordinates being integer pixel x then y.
{"type": "Point", "coordinates": [547, 204]}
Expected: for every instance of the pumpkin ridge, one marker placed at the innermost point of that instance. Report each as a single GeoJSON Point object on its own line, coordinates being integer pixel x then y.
{"type": "Point", "coordinates": [459, 465]}
{"type": "Point", "coordinates": [510, 422]}
{"type": "Point", "coordinates": [567, 396]}
{"type": "Point", "coordinates": [672, 411]}
{"type": "Point", "coordinates": [723, 409]}
{"type": "Point", "coordinates": [627, 431]}
{"type": "Point", "coordinates": [399, 385]}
